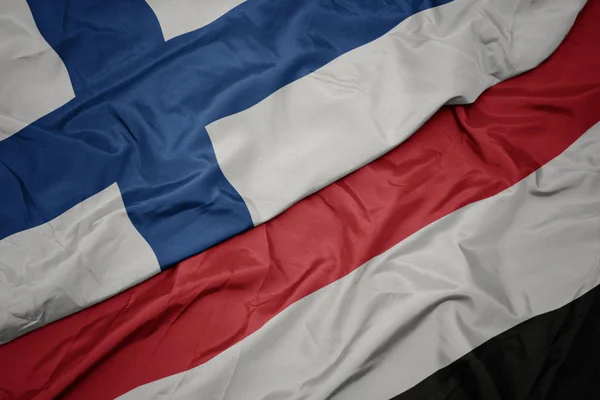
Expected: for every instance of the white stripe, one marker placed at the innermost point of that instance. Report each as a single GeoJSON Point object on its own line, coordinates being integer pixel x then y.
{"type": "Point", "coordinates": [33, 79]}
{"type": "Point", "coordinates": [427, 301]}
{"type": "Point", "coordinates": [364, 103]}
{"type": "Point", "coordinates": [81, 257]}
{"type": "Point", "coordinates": [177, 17]}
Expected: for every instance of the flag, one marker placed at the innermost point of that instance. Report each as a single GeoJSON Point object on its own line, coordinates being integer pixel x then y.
{"type": "Point", "coordinates": [483, 221]}
{"type": "Point", "coordinates": [132, 141]}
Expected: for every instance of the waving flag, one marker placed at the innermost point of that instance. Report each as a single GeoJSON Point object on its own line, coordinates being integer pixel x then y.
{"type": "Point", "coordinates": [154, 150]}
{"type": "Point", "coordinates": [136, 135]}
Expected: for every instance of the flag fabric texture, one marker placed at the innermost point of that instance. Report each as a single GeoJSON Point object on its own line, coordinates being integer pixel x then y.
{"type": "Point", "coordinates": [461, 264]}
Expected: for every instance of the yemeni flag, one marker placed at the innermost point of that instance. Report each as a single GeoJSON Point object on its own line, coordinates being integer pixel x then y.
{"type": "Point", "coordinates": [461, 263]}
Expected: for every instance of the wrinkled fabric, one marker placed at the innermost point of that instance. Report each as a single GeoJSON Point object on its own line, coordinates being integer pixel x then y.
{"type": "Point", "coordinates": [222, 128]}
{"type": "Point", "coordinates": [137, 120]}
{"type": "Point", "coordinates": [426, 301]}
{"type": "Point", "coordinates": [61, 266]}
{"type": "Point", "coordinates": [552, 356]}
{"type": "Point", "coordinates": [33, 79]}
{"type": "Point", "coordinates": [362, 104]}
{"type": "Point", "coordinates": [178, 17]}
{"type": "Point", "coordinates": [188, 315]}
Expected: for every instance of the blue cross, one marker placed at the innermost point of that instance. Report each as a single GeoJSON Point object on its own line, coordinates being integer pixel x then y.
{"type": "Point", "coordinates": [142, 105]}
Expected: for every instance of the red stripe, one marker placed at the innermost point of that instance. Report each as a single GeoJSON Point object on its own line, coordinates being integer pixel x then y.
{"type": "Point", "coordinates": [189, 314]}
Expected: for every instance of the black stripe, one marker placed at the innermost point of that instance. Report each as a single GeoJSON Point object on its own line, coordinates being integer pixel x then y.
{"type": "Point", "coordinates": [553, 356]}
